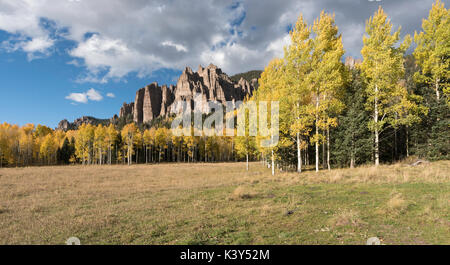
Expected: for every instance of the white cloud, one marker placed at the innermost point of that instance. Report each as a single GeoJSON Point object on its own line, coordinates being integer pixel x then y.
{"type": "Point", "coordinates": [110, 95]}
{"type": "Point", "coordinates": [74, 62]}
{"type": "Point", "coordinates": [78, 97]}
{"type": "Point", "coordinates": [100, 53]}
{"type": "Point", "coordinates": [277, 46]}
{"type": "Point", "coordinates": [234, 57]}
{"type": "Point", "coordinates": [179, 33]}
{"type": "Point", "coordinates": [178, 47]}
{"type": "Point", "coordinates": [94, 95]}
{"type": "Point", "coordinates": [38, 45]}
{"type": "Point", "coordinates": [84, 97]}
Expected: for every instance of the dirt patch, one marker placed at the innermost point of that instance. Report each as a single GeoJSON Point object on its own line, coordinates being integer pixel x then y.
{"type": "Point", "coordinates": [243, 193]}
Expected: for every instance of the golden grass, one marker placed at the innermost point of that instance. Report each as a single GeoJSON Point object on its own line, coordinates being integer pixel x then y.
{"type": "Point", "coordinates": [437, 172]}
{"type": "Point", "coordinates": [346, 217]}
{"type": "Point", "coordinates": [38, 199]}
{"type": "Point", "coordinates": [243, 193]}
{"type": "Point", "coordinates": [397, 203]}
{"type": "Point", "coordinates": [205, 203]}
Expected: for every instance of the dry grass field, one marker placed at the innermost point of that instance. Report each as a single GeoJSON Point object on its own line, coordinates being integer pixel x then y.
{"type": "Point", "coordinates": [224, 204]}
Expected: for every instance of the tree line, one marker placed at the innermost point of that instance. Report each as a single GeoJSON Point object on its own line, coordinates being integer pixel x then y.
{"type": "Point", "coordinates": [390, 106]}
{"type": "Point", "coordinates": [30, 145]}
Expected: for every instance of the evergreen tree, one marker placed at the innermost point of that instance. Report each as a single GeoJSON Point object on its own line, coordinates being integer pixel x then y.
{"type": "Point", "coordinates": [352, 143]}
{"type": "Point", "coordinates": [65, 152]}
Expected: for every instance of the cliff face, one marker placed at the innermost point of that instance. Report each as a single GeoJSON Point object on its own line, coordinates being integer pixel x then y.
{"type": "Point", "coordinates": [153, 101]}
{"type": "Point", "coordinates": [126, 109]}
{"type": "Point", "coordinates": [351, 62]}
{"type": "Point", "coordinates": [167, 99]}
{"type": "Point", "coordinates": [207, 84]}
{"type": "Point", "coordinates": [65, 125]}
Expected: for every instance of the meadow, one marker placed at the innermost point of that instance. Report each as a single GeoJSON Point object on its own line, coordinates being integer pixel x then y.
{"type": "Point", "coordinates": [222, 203]}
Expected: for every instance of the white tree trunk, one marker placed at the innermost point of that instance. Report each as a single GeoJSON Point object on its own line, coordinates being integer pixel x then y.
{"type": "Point", "coordinates": [324, 162]}
{"type": "Point", "coordinates": [247, 162]}
{"type": "Point", "coordinates": [317, 133]}
{"type": "Point", "coordinates": [129, 156]}
{"type": "Point", "coordinates": [328, 148]}
{"type": "Point", "coordinates": [317, 150]}
{"type": "Point", "coordinates": [109, 154]}
{"type": "Point", "coordinates": [375, 118]}
{"type": "Point", "coordinates": [407, 141]}
{"type": "Point", "coordinates": [352, 153]}
{"type": "Point", "coordinates": [273, 164]}
{"type": "Point", "coordinates": [437, 89]}
{"type": "Point", "coordinates": [299, 154]}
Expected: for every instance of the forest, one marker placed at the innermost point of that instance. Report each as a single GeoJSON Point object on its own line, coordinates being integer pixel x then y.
{"type": "Point", "coordinates": [391, 106]}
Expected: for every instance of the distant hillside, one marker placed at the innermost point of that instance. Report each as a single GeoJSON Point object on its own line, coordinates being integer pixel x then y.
{"type": "Point", "coordinates": [247, 76]}
{"type": "Point", "coordinates": [66, 125]}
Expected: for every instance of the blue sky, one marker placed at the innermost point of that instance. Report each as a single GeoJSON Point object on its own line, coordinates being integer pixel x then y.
{"type": "Point", "coordinates": [35, 91]}
{"type": "Point", "coordinates": [61, 59]}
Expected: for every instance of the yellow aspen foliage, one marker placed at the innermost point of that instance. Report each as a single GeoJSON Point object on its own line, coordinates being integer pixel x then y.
{"type": "Point", "coordinates": [433, 49]}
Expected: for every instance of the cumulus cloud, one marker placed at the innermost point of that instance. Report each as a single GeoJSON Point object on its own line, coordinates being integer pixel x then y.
{"type": "Point", "coordinates": [94, 95]}
{"type": "Point", "coordinates": [100, 53]}
{"type": "Point", "coordinates": [277, 46]}
{"type": "Point", "coordinates": [37, 45]}
{"type": "Point", "coordinates": [84, 97]}
{"type": "Point", "coordinates": [110, 95]}
{"type": "Point", "coordinates": [178, 47]}
{"type": "Point", "coordinates": [78, 97]}
{"type": "Point", "coordinates": [114, 38]}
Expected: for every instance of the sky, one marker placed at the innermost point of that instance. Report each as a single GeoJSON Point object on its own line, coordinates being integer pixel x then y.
{"type": "Point", "coordinates": [64, 59]}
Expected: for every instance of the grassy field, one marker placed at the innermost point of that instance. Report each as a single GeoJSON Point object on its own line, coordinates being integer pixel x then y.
{"type": "Point", "coordinates": [224, 204]}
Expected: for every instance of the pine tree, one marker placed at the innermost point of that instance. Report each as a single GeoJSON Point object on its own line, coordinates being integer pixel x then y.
{"type": "Point", "coordinates": [65, 152]}
{"type": "Point", "coordinates": [438, 144]}
{"type": "Point", "coordinates": [353, 141]}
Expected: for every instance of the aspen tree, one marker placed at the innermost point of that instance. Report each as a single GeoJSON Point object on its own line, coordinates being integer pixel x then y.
{"type": "Point", "coordinates": [433, 49]}
{"type": "Point", "coordinates": [382, 68]}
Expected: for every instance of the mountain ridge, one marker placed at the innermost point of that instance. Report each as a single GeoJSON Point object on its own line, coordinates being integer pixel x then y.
{"type": "Point", "coordinates": [155, 101]}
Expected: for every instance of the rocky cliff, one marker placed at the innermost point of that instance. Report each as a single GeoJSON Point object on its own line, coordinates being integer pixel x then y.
{"type": "Point", "coordinates": [351, 62]}
{"type": "Point", "coordinates": [126, 109]}
{"type": "Point", "coordinates": [65, 125]}
{"type": "Point", "coordinates": [210, 84]}
{"type": "Point", "coordinates": [153, 101]}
